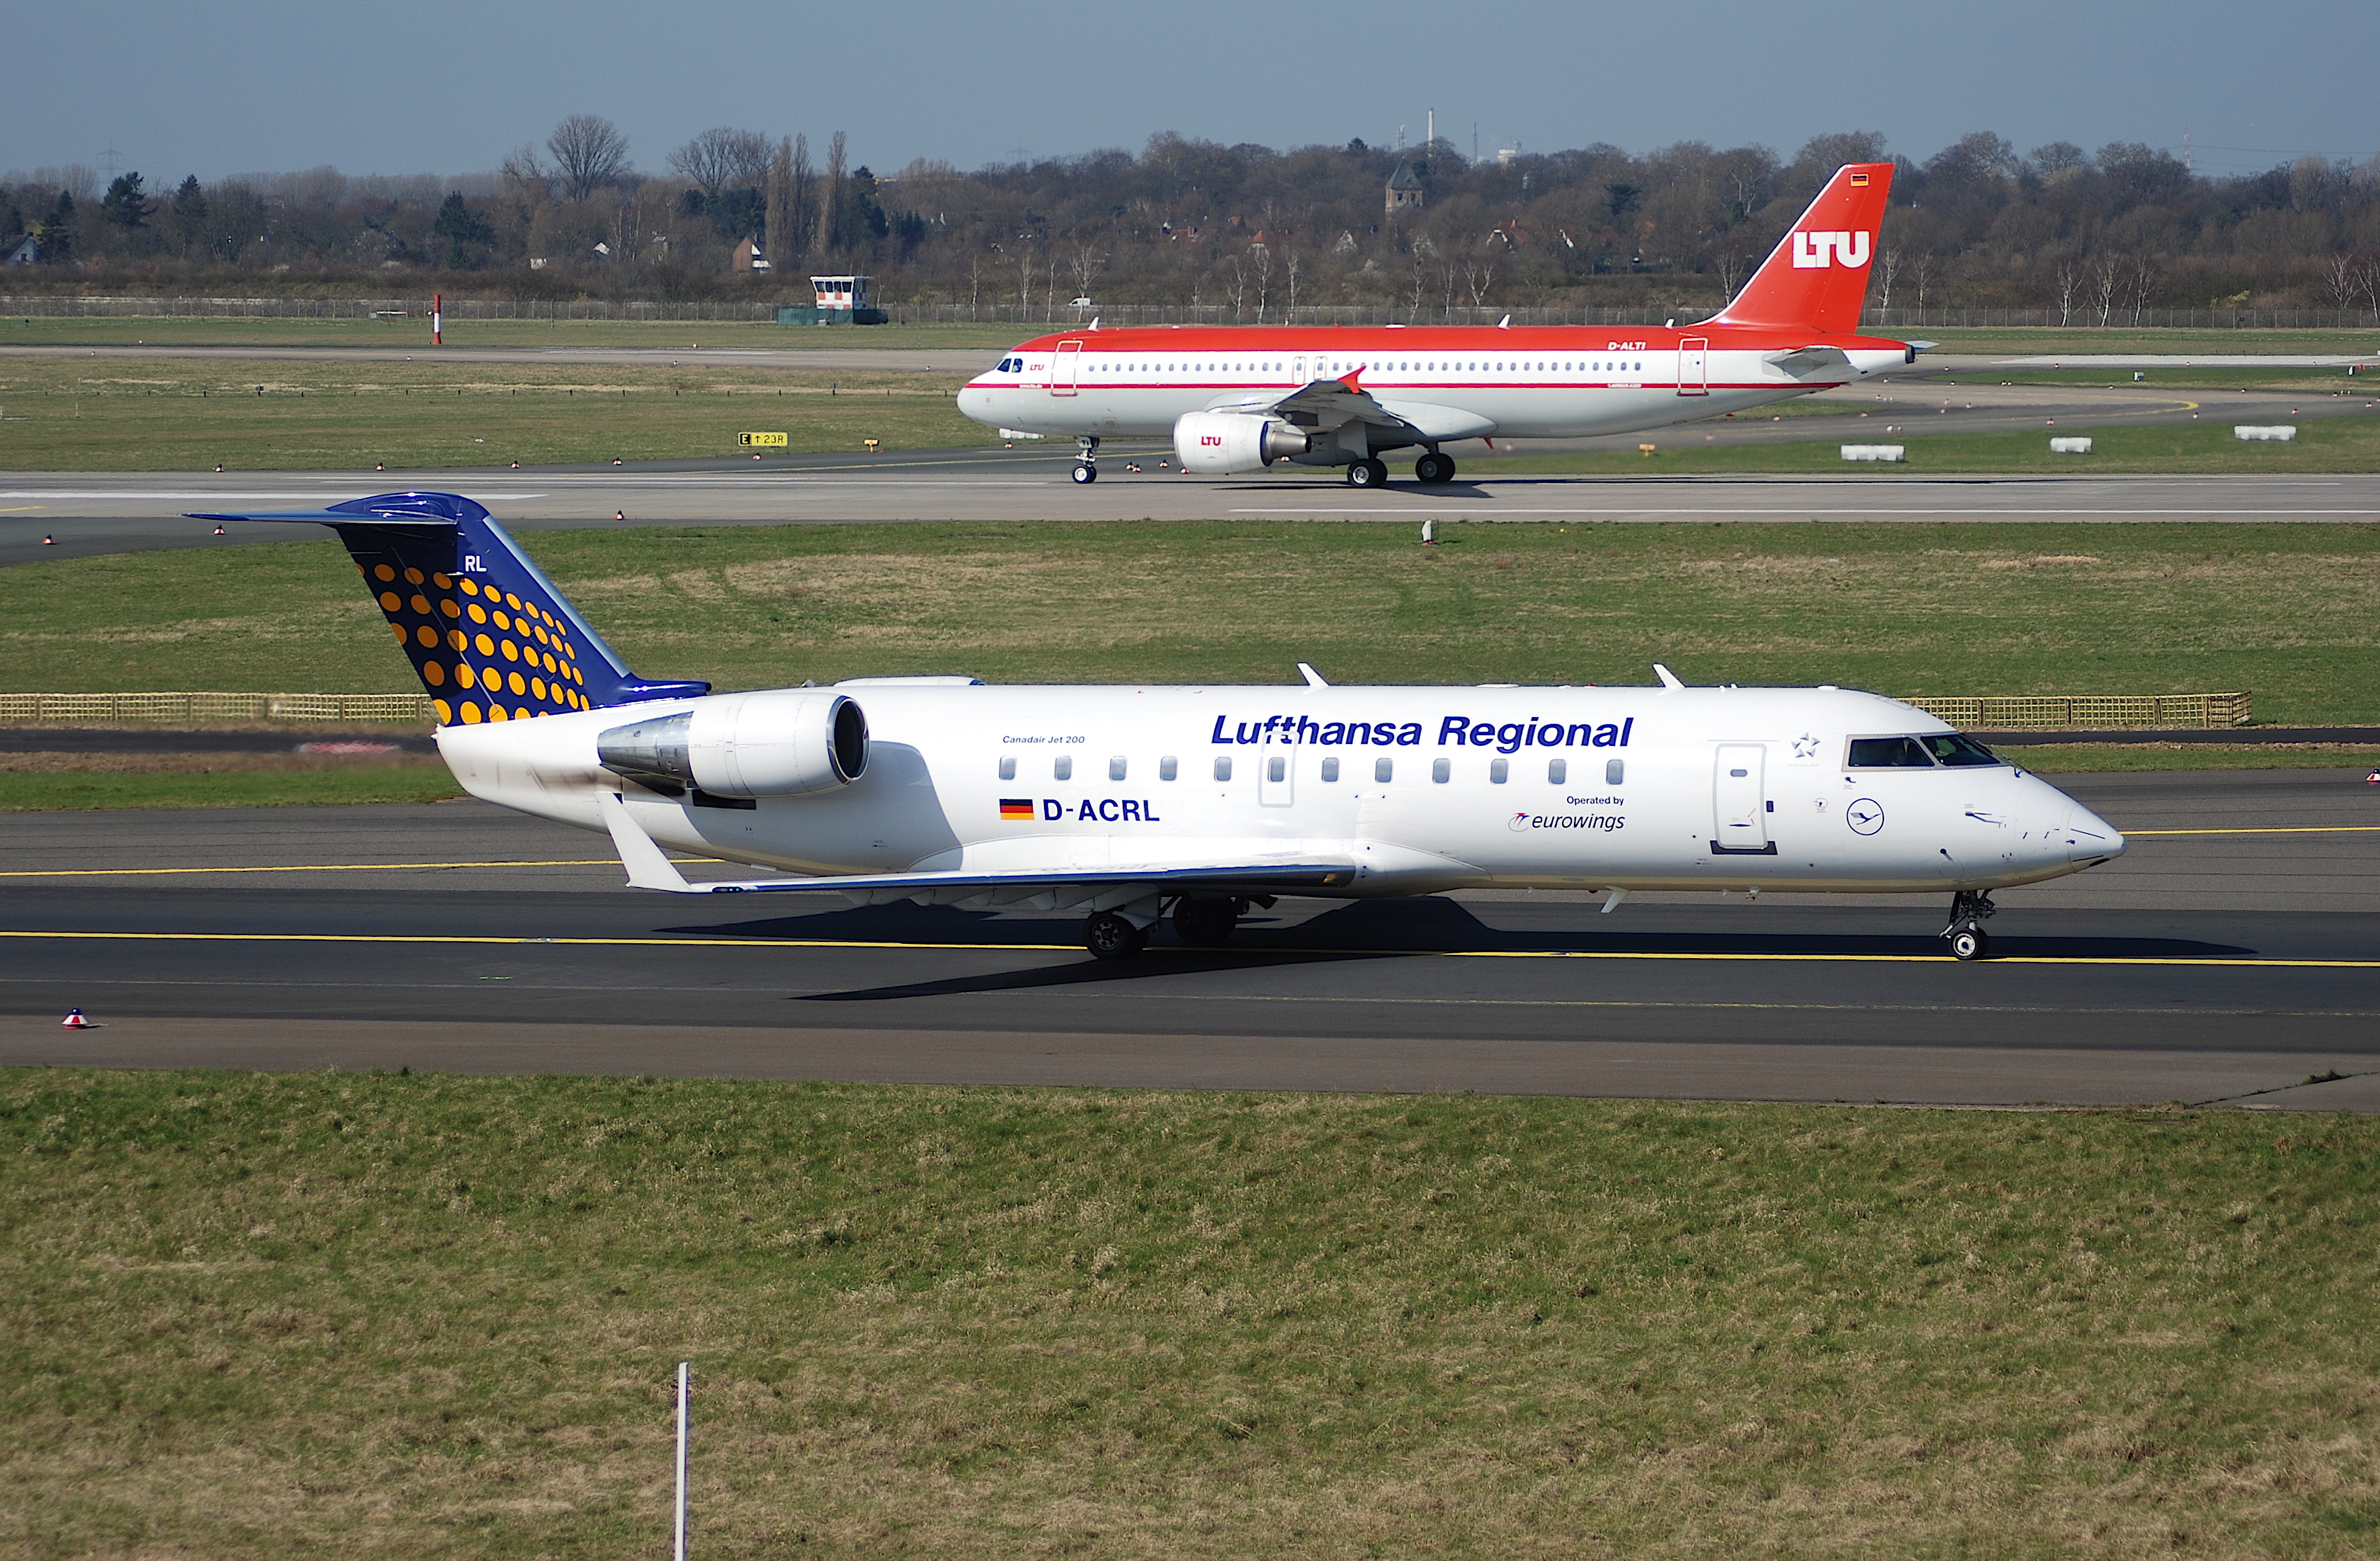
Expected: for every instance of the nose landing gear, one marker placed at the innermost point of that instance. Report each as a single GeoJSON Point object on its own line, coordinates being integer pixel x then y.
{"type": "Point", "coordinates": [1968, 910]}
{"type": "Point", "coordinates": [1086, 465]}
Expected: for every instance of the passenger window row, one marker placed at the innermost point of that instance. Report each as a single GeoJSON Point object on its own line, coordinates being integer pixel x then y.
{"type": "Point", "coordinates": [1384, 771]}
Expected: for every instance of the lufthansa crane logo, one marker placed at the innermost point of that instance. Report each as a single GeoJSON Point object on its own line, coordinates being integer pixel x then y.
{"type": "Point", "coordinates": [1817, 251]}
{"type": "Point", "coordinates": [1865, 816]}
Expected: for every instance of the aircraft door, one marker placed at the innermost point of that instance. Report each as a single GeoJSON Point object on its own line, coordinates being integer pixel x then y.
{"type": "Point", "coordinates": [1694, 366]}
{"type": "Point", "coordinates": [1740, 802]}
{"type": "Point", "coordinates": [1067, 373]}
{"type": "Point", "coordinates": [1277, 777]}
{"type": "Point", "coordinates": [1298, 373]}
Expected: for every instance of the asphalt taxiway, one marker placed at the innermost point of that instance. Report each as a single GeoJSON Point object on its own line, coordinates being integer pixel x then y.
{"type": "Point", "coordinates": [2230, 956]}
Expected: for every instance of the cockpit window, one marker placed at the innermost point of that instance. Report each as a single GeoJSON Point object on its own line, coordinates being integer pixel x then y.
{"type": "Point", "coordinates": [1889, 753]}
{"type": "Point", "coordinates": [1951, 749]}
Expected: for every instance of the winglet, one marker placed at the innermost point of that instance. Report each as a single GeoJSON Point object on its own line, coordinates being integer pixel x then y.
{"type": "Point", "coordinates": [648, 869]}
{"type": "Point", "coordinates": [1313, 678]}
{"type": "Point", "coordinates": [1352, 379]}
{"type": "Point", "coordinates": [1669, 679]}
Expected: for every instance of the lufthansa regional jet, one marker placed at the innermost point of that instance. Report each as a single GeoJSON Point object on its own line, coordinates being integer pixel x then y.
{"type": "Point", "coordinates": [1243, 399]}
{"type": "Point", "coordinates": [1131, 803]}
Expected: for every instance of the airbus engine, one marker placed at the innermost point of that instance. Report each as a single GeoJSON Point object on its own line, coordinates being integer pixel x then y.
{"type": "Point", "coordinates": [777, 742]}
{"type": "Point", "coordinates": [1235, 441]}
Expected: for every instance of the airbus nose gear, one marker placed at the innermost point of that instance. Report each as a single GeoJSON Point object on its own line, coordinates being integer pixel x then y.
{"type": "Point", "coordinates": [1087, 466]}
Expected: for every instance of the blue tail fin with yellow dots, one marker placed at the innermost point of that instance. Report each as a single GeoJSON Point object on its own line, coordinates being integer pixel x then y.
{"type": "Point", "coordinates": [491, 637]}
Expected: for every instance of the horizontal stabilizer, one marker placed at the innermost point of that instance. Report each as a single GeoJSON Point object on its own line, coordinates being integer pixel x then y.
{"type": "Point", "coordinates": [1811, 362]}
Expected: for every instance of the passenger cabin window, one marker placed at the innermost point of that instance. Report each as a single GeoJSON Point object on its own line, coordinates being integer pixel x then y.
{"type": "Point", "coordinates": [1498, 771]}
{"type": "Point", "coordinates": [1614, 771]}
{"type": "Point", "coordinates": [1330, 770]}
{"type": "Point", "coordinates": [1439, 769]}
{"type": "Point", "coordinates": [1384, 771]}
{"type": "Point", "coordinates": [1116, 768]}
{"type": "Point", "coordinates": [1889, 753]}
{"type": "Point", "coordinates": [1223, 768]}
{"type": "Point", "coordinates": [1557, 771]}
{"type": "Point", "coordinates": [1167, 768]}
{"type": "Point", "coordinates": [1063, 769]}
{"type": "Point", "coordinates": [1277, 768]}
{"type": "Point", "coordinates": [1008, 767]}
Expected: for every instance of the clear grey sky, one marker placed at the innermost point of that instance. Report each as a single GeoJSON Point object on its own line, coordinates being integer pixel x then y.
{"type": "Point", "coordinates": [439, 86]}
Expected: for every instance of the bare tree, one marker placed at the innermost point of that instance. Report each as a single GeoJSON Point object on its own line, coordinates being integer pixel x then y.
{"type": "Point", "coordinates": [1890, 266]}
{"type": "Point", "coordinates": [777, 220]}
{"type": "Point", "coordinates": [1420, 282]}
{"type": "Point", "coordinates": [2372, 289]}
{"type": "Point", "coordinates": [1025, 279]}
{"type": "Point", "coordinates": [801, 198]}
{"type": "Point", "coordinates": [1449, 269]}
{"type": "Point", "coordinates": [975, 283]}
{"type": "Point", "coordinates": [1085, 263]}
{"type": "Point", "coordinates": [832, 218]}
{"type": "Point", "coordinates": [2066, 282]}
{"type": "Point", "coordinates": [1261, 258]}
{"type": "Point", "coordinates": [2345, 278]}
{"type": "Point", "coordinates": [723, 159]}
{"type": "Point", "coordinates": [2143, 280]}
{"type": "Point", "coordinates": [1921, 271]}
{"type": "Point", "coordinates": [1239, 288]}
{"type": "Point", "coordinates": [589, 152]}
{"type": "Point", "coordinates": [1292, 265]}
{"type": "Point", "coordinates": [1478, 278]}
{"type": "Point", "coordinates": [2103, 285]}
{"type": "Point", "coordinates": [1729, 259]}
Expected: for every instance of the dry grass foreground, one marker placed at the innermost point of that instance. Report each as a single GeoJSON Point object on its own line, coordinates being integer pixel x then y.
{"type": "Point", "coordinates": [298, 1315]}
{"type": "Point", "coordinates": [2289, 611]}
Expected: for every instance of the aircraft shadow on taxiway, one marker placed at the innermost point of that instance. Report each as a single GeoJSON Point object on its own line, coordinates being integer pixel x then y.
{"type": "Point", "coordinates": [1365, 930]}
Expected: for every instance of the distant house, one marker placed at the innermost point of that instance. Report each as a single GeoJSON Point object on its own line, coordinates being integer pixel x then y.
{"type": "Point", "coordinates": [1405, 191]}
{"type": "Point", "coordinates": [748, 256]}
{"type": "Point", "coordinates": [25, 251]}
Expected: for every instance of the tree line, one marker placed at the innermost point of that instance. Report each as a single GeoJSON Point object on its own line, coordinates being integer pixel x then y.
{"type": "Point", "coordinates": [2094, 236]}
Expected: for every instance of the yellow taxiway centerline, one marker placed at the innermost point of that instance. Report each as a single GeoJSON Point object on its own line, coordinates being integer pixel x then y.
{"type": "Point", "coordinates": [468, 939]}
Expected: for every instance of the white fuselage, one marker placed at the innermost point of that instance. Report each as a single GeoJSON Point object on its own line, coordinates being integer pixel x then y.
{"type": "Point", "coordinates": [1419, 788]}
{"type": "Point", "coordinates": [1451, 393]}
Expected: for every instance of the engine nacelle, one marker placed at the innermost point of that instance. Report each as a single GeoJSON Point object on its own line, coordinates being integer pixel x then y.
{"type": "Point", "coordinates": [1235, 441]}
{"type": "Point", "coordinates": [776, 743]}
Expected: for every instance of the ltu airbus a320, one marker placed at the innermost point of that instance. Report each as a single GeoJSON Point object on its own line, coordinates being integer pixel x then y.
{"type": "Point", "coordinates": [1242, 399]}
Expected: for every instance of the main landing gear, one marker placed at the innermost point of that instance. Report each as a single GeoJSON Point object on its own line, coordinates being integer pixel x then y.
{"type": "Point", "coordinates": [1086, 465]}
{"type": "Point", "coordinates": [1372, 473]}
{"type": "Point", "coordinates": [1968, 910]}
{"type": "Point", "coordinates": [1202, 921]}
{"type": "Point", "coordinates": [1433, 469]}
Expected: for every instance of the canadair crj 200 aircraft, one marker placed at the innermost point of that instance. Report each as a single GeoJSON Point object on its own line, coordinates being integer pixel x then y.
{"type": "Point", "coordinates": [1130, 803]}
{"type": "Point", "coordinates": [1241, 399]}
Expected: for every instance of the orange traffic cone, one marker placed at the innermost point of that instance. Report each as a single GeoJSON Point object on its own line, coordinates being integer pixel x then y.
{"type": "Point", "coordinates": [219, 530]}
{"type": "Point", "coordinates": [75, 1021]}
{"type": "Point", "coordinates": [619, 514]}
{"type": "Point", "coordinates": [48, 540]}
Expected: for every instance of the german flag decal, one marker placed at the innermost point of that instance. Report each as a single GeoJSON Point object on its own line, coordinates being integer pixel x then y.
{"type": "Point", "coordinates": [1017, 807]}
{"type": "Point", "coordinates": [1859, 181]}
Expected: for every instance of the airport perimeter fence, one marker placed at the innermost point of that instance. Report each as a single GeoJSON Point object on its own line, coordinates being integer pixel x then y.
{"type": "Point", "coordinates": [1047, 317]}
{"type": "Point", "coordinates": [152, 708]}
{"type": "Point", "coordinates": [2089, 712]}
{"type": "Point", "coordinates": [1993, 713]}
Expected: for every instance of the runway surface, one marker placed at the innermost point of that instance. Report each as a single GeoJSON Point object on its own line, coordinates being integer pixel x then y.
{"type": "Point", "coordinates": [2232, 955]}
{"type": "Point", "coordinates": [102, 513]}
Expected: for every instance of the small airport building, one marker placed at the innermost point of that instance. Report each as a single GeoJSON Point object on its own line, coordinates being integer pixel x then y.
{"type": "Point", "coordinates": [841, 300]}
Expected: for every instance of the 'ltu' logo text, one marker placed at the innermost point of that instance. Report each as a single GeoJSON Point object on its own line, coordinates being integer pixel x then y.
{"type": "Point", "coordinates": [1816, 251]}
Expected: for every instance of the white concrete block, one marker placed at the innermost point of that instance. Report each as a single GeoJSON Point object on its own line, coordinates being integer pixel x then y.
{"type": "Point", "coordinates": [2069, 447]}
{"type": "Point", "coordinates": [2284, 433]}
{"type": "Point", "coordinates": [1876, 453]}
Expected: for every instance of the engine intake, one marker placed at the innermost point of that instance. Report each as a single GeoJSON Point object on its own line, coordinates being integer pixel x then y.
{"type": "Point", "coordinates": [780, 742]}
{"type": "Point", "coordinates": [1222, 442]}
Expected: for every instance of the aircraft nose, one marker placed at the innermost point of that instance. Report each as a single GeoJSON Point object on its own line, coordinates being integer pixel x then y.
{"type": "Point", "coordinates": [2090, 837]}
{"type": "Point", "coordinates": [976, 402]}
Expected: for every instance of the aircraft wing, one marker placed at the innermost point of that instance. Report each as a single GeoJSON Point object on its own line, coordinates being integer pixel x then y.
{"type": "Point", "coordinates": [649, 868]}
{"type": "Point", "coordinates": [1325, 405]}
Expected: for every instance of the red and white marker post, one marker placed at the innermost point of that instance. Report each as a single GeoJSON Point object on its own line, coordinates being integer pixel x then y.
{"type": "Point", "coordinates": [437, 320]}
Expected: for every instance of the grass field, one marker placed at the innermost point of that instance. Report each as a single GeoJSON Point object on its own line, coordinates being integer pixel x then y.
{"type": "Point", "coordinates": [2289, 612]}
{"type": "Point", "coordinates": [438, 1316]}
{"type": "Point", "coordinates": [2206, 448]}
{"type": "Point", "coordinates": [62, 414]}
{"type": "Point", "coordinates": [81, 782]}
{"type": "Point", "coordinates": [651, 336]}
